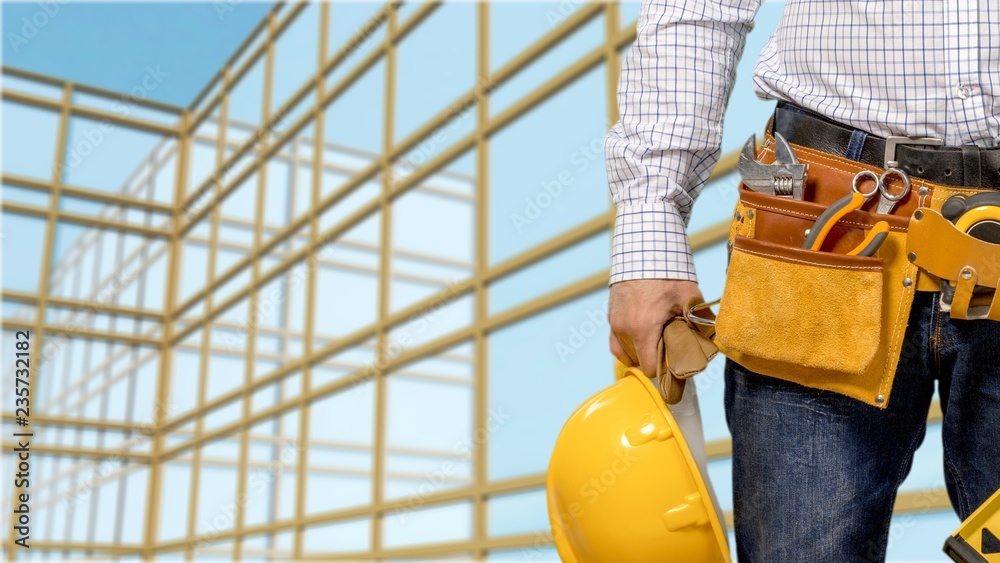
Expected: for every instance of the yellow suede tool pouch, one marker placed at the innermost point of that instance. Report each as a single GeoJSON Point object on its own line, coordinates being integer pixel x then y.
{"type": "Point", "coordinates": [820, 318]}
{"type": "Point", "coordinates": [800, 312]}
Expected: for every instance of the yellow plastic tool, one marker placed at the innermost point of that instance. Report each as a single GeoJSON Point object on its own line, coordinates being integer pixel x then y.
{"type": "Point", "coordinates": [622, 484]}
{"type": "Point", "coordinates": [978, 540]}
{"type": "Point", "coordinates": [977, 215]}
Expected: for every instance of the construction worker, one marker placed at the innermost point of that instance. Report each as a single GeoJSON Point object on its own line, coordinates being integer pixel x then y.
{"type": "Point", "coordinates": [815, 473]}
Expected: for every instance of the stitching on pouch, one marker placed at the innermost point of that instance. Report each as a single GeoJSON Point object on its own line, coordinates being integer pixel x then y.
{"type": "Point", "coordinates": [895, 332]}
{"type": "Point", "coordinates": [836, 164]}
{"type": "Point", "coordinates": [949, 191]}
{"type": "Point", "coordinates": [807, 263]}
{"type": "Point", "coordinates": [829, 162]}
{"type": "Point", "coordinates": [814, 217]}
{"type": "Point", "coordinates": [832, 162]}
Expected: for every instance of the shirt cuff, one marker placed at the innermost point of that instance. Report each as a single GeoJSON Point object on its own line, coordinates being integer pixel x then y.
{"type": "Point", "coordinates": [650, 242]}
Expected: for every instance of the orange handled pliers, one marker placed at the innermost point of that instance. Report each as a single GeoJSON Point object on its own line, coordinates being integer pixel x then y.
{"type": "Point", "coordinates": [837, 211]}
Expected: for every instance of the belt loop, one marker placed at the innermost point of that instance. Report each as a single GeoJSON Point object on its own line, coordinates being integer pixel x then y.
{"type": "Point", "coordinates": [856, 145]}
{"type": "Point", "coordinates": [972, 166]}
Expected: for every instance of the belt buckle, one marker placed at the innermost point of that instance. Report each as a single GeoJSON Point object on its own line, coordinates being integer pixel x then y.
{"type": "Point", "coordinates": [891, 142]}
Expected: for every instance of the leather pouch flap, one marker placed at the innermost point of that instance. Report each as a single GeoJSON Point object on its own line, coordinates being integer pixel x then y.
{"type": "Point", "coordinates": [801, 310]}
{"type": "Point", "coordinates": [930, 233]}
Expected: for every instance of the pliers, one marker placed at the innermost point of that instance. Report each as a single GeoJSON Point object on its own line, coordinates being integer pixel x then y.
{"type": "Point", "coordinates": [836, 212]}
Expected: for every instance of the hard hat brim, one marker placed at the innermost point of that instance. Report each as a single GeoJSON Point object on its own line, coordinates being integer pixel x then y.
{"type": "Point", "coordinates": [563, 545]}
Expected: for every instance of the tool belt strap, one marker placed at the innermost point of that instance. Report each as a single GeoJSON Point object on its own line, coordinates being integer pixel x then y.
{"type": "Point", "coordinates": [966, 166]}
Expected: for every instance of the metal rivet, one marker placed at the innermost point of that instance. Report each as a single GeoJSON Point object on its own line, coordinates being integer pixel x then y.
{"type": "Point", "coordinates": [738, 216]}
{"type": "Point", "coordinates": [750, 213]}
{"type": "Point", "coordinates": [907, 282]}
{"type": "Point", "coordinates": [808, 231]}
{"type": "Point", "coordinates": [911, 257]}
{"type": "Point", "coordinates": [918, 215]}
{"type": "Point", "coordinates": [966, 274]}
{"type": "Point", "coordinates": [923, 191]}
{"type": "Point", "coordinates": [880, 399]}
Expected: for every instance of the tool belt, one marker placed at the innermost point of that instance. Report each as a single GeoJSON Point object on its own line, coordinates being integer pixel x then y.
{"type": "Point", "coordinates": [821, 317]}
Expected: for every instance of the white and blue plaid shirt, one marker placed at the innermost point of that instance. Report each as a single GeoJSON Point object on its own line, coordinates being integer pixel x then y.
{"type": "Point", "coordinates": [890, 67]}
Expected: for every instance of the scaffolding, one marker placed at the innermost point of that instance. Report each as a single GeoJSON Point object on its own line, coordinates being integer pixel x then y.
{"type": "Point", "coordinates": [154, 365]}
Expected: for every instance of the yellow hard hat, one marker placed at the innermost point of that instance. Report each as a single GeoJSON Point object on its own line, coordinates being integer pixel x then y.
{"type": "Point", "coordinates": [622, 484]}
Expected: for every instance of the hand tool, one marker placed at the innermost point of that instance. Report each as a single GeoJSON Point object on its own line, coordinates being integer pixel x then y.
{"type": "Point", "coordinates": [784, 177]}
{"type": "Point", "coordinates": [888, 200]}
{"type": "Point", "coordinates": [839, 209]}
{"type": "Point", "coordinates": [873, 241]}
{"type": "Point", "coordinates": [829, 217]}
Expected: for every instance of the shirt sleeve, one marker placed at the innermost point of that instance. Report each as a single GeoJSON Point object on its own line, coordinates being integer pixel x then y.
{"type": "Point", "coordinates": [672, 95]}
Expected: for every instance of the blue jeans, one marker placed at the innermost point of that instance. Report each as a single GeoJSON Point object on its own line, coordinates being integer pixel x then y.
{"type": "Point", "coordinates": [815, 473]}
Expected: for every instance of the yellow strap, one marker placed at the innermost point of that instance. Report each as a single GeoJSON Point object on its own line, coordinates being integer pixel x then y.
{"type": "Point", "coordinates": [963, 293]}
{"type": "Point", "coordinates": [927, 282]}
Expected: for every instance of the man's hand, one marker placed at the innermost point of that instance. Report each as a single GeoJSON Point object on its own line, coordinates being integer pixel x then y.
{"type": "Point", "coordinates": [637, 313]}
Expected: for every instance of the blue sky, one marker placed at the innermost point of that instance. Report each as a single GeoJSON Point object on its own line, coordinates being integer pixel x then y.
{"type": "Point", "coordinates": [111, 45]}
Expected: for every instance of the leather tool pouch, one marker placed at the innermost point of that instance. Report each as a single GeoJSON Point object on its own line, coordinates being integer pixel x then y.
{"type": "Point", "coordinates": [805, 311]}
{"type": "Point", "coordinates": [818, 318]}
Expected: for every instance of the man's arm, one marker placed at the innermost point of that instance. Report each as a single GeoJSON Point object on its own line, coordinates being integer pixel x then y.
{"type": "Point", "coordinates": [672, 95]}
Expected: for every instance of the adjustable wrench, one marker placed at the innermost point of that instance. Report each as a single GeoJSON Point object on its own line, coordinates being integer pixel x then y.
{"type": "Point", "coordinates": [785, 177]}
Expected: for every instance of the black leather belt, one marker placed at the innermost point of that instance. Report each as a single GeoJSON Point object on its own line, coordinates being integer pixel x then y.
{"type": "Point", "coordinates": [921, 157]}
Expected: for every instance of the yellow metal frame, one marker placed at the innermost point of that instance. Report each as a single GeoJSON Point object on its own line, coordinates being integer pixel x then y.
{"type": "Point", "coordinates": [169, 437]}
